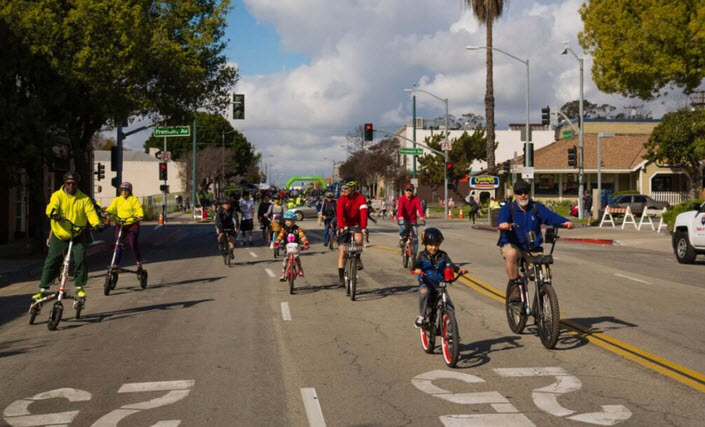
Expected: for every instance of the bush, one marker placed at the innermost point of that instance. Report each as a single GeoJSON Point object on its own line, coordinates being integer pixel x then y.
{"type": "Point", "coordinates": [669, 217]}
{"type": "Point", "coordinates": [619, 193]}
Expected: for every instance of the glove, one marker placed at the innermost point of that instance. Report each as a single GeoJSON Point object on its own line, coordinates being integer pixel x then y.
{"type": "Point", "coordinates": [306, 246]}
{"type": "Point", "coordinates": [276, 246]}
{"type": "Point", "coordinates": [99, 228]}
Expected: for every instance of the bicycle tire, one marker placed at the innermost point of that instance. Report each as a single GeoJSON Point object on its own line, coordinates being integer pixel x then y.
{"type": "Point", "coordinates": [516, 317]}
{"type": "Point", "coordinates": [114, 280]}
{"type": "Point", "coordinates": [353, 277]}
{"type": "Point", "coordinates": [33, 311]}
{"type": "Point", "coordinates": [428, 333]}
{"type": "Point", "coordinates": [413, 249]}
{"type": "Point", "coordinates": [330, 243]}
{"type": "Point", "coordinates": [405, 256]}
{"type": "Point", "coordinates": [143, 277]}
{"type": "Point", "coordinates": [291, 275]}
{"type": "Point", "coordinates": [549, 323]}
{"type": "Point", "coordinates": [55, 316]}
{"type": "Point", "coordinates": [346, 275]}
{"type": "Point", "coordinates": [108, 285]}
{"type": "Point", "coordinates": [450, 337]}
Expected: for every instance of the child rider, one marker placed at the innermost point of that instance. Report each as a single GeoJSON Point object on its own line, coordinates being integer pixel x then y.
{"type": "Point", "coordinates": [290, 228]}
{"type": "Point", "coordinates": [431, 262]}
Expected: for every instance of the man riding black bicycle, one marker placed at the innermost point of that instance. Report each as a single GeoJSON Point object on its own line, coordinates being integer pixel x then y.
{"type": "Point", "coordinates": [529, 215]}
{"type": "Point", "coordinates": [409, 214]}
{"type": "Point", "coordinates": [226, 225]}
{"type": "Point", "coordinates": [352, 214]}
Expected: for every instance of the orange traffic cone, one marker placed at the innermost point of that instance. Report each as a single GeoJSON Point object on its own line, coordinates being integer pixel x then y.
{"type": "Point", "coordinates": [450, 214]}
{"type": "Point", "coordinates": [460, 214]}
{"type": "Point", "coordinates": [161, 219]}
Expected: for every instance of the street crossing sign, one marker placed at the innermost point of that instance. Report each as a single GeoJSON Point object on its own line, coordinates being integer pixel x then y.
{"type": "Point", "coordinates": [413, 151]}
{"type": "Point", "coordinates": [169, 131]}
{"type": "Point", "coordinates": [446, 145]}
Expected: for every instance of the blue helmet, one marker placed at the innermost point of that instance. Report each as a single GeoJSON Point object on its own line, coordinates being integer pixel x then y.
{"type": "Point", "coordinates": [290, 215]}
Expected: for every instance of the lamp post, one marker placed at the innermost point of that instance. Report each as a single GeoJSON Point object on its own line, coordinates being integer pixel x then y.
{"type": "Point", "coordinates": [528, 161]}
{"type": "Point", "coordinates": [445, 101]}
{"type": "Point", "coordinates": [581, 165]}
{"type": "Point", "coordinates": [600, 135]}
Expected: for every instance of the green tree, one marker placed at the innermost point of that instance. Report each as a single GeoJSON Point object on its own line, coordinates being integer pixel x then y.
{"type": "Point", "coordinates": [466, 149]}
{"type": "Point", "coordinates": [488, 11]}
{"type": "Point", "coordinates": [680, 137]}
{"type": "Point", "coordinates": [640, 47]}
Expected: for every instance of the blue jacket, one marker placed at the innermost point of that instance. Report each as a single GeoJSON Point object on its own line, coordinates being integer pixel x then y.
{"type": "Point", "coordinates": [527, 221]}
{"type": "Point", "coordinates": [433, 266]}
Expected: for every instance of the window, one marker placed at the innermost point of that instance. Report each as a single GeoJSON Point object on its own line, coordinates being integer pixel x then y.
{"type": "Point", "coordinates": [639, 199]}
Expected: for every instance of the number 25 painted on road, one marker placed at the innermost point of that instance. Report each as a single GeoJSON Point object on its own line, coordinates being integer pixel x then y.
{"type": "Point", "coordinates": [545, 398]}
{"type": "Point", "coordinates": [17, 413]}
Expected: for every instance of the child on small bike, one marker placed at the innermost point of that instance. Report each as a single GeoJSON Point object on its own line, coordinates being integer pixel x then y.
{"type": "Point", "coordinates": [429, 266]}
{"type": "Point", "coordinates": [291, 234]}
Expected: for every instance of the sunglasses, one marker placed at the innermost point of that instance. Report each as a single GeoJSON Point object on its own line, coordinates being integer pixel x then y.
{"type": "Point", "coordinates": [521, 192]}
{"type": "Point", "coordinates": [408, 189]}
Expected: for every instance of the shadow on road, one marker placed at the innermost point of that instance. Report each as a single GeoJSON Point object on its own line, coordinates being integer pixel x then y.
{"type": "Point", "coordinates": [477, 353]}
{"type": "Point", "coordinates": [377, 293]}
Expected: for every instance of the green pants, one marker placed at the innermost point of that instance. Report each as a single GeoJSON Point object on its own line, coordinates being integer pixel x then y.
{"type": "Point", "coordinates": [52, 264]}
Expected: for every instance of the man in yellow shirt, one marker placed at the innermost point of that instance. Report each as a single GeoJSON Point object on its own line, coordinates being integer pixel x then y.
{"type": "Point", "coordinates": [70, 203]}
{"type": "Point", "coordinates": [128, 207]}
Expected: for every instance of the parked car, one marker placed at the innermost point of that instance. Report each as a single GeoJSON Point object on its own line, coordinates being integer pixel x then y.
{"type": "Point", "coordinates": [308, 210]}
{"type": "Point", "coordinates": [636, 202]}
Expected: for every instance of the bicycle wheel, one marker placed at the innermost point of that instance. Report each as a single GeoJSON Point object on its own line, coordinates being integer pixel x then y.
{"type": "Point", "coordinates": [405, 255]}
{"type": "Point", "coordinates": [55, 315]}
{"type": "Point", "coordinates": [33, 311]}
{"type": "Point", "coordinates": [516, 317]}
{"type": "Point", "coordinates": [450, 338]}
{"type": "Point", "coordinates": [114, 280]}
{"type": "Point", "coordinates": [412, 259]}
{"type": "Point", "coordinates": [108, 285]}
{"type": "Point", "coordinates": [549, 323]}
{"type": "Point", "coordinates": [143, 276]}
{"type": "Point", "coordinates": [428, 333]}
{"type": "Point", "coordinates": [291, 275]}
{"type": "Point", "coordinates": [353, 277]}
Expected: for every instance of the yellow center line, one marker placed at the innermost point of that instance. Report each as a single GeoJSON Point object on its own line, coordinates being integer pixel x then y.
{"type": "Point", "coordinates": [664, 366]}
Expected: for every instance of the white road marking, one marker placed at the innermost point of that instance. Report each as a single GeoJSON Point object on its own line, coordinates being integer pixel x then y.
{"type": "Point", "coordinates": [286, 313]}
{"type": "Point", "coordinates": [633, 278]}
{"type": "Point", "coordinates": [313, 407]}
{"type": "Point", "coordinates": [270, 273]}
{"type": "Point", "coordinates": [156, 386]}
{"type": "Point", "coordinates": [253, 254]}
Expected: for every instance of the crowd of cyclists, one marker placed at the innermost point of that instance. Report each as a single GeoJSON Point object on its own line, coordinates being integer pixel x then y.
{"type": "Point", "coordinates": [343, 219]}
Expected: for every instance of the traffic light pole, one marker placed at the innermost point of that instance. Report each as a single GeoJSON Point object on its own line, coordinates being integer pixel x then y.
{"type": "Point", "coordinates": [165, 180]}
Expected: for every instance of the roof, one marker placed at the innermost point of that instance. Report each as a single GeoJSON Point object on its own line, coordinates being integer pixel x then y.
{"type": "Point", "coordinates": [619, 152]}
{"type": "Point", "coordinates": [127, 156]}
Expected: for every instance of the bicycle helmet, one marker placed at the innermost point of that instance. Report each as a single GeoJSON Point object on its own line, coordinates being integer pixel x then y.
{"type": "Point", "coordinates": [126, 186]}
{"type": "Point", "coordinates": [432, 236]}
{"type": "Point", "coordinates": [349, 182]}
{"type": "Point", "coordinates": [409, 187]}
{"type": "Point", "coordinates": [290, 238]}
{"type": "Point", "coordinates": [72, 175]}
{"type": "Point", "coordinates": [290, 215]}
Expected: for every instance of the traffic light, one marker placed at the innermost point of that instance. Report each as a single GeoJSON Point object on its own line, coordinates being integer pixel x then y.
{"type": "Point", "coordinates": [573, 156]}
{"type": "Point", "coordinates": [162, 171]}
{"type": "Point", "coordinates": [507, 167]}
{"type": "Point", "coordinates": [114, 182]}
{"type": "Point", "coordinates": [546, 116]}
{"type": "Point", "coordinates": [368, 132]}
{"type": "Point", "coordinates": [449, 170]}
{"type": "Point", "coordinates": [531, 154]}
{"type": "Point", "coordinates": [114, 158]}
{"type": "Point", "coordinates": [100, 173]}
{"type": "Point", "coordinates": [238, 106]}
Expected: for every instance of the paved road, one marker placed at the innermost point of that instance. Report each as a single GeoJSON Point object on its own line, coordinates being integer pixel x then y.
{"type": "Point", "coordinates": [208, 345]}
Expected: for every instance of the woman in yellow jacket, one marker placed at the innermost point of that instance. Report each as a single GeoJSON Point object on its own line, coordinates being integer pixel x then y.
{"type": "Point", "coordinates": [127, 206]}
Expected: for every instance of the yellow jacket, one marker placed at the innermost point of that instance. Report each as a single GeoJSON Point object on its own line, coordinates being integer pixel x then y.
{"type": "Point", "coordinates": [78, 209]}
{"type": "Point", "coordinates": [126, 207]}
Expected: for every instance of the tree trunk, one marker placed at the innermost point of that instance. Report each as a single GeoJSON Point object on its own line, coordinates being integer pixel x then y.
{"type": "Point", "coordinates": [489, 99]}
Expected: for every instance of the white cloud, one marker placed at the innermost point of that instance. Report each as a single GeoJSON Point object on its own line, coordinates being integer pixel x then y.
{"type": "Point", "coordinates": [363, 53]}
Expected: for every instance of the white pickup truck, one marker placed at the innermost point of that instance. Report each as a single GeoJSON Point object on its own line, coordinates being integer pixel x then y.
{"type": "Point", "coordinates": [689, 234]}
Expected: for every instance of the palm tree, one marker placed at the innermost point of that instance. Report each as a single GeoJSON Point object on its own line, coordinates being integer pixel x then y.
{"type": "Point", "coordinates": [488, 11]}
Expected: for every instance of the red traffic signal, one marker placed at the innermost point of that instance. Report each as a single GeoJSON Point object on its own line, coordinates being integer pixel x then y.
{"type": "Point", "coordinates": [368, 132]}
{"type": "Point", "coordinates": [449, 166]}
{"type": "Point", "coordinates": [162, 171]}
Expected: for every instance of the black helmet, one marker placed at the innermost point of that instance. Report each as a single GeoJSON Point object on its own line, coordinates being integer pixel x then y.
{"type": "Point", "coordinates": [432, 236]}
{"type": "Point", "coordinates": [72, 175]}
{"type": "Point", "coordinates": [521, 186]}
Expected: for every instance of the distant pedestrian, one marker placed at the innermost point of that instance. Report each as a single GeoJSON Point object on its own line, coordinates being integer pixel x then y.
{"type": "Point", "coordinates": [587, 207]}
{"type": "Point", "coordinates": [474, 209]}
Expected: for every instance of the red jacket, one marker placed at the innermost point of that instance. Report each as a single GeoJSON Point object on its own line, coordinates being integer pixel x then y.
{"type": "Point", "coordinates": [352, 211]}
{"type": "Point", "coordinates": [407, 209]}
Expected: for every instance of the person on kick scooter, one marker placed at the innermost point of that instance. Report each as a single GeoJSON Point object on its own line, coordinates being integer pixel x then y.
{"type": "Point", "coordinates": [70, 203]}
{"type": "Point", "coordinates": [126, 205]}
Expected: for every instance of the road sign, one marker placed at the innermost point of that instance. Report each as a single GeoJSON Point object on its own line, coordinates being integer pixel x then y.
{"type": "Point", "coordinates": [484, 182]}
{"type": "Point", "coordinates": [567, 134]}
{"type": "Point", "coordinates": [414, 151]}
{"type": "Point", "coordinates": [446, 145]}
{"type": "Point", "coordinates": [169, 131]}
{"type": "Point", "coordinates": [527, 173]}
{"type": "Point", "coordinates": [166, 156]}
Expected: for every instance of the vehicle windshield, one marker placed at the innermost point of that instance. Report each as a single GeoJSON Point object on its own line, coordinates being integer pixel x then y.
{"type": "Point", "coordinates": [615, 199]}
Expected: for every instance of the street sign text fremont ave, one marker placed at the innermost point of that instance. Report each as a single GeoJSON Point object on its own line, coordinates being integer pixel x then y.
{"type": "Point", "coordinates": [414, 151]}
{"type": "Point", "coordinates": [169, 131]}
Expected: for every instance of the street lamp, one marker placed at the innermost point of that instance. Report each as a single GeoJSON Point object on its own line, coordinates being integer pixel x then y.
{"type": "Point", "coordinates": [581, 165]}
{"type": "Point", "coordinates": [600, 135]}
{"type": "Point", "coordinates": [527, 157]}
{"type": "Point", "coordinates": [445, 101]}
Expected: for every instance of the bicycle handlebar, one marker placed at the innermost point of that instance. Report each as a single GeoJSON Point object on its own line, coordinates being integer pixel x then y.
{"type": "Point", "coordinates": [457, 276]}
{"type": "Point", "coordinates": [122, 221]}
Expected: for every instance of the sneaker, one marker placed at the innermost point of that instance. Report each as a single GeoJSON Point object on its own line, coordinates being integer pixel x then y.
{"type": "Point", "coordinates": [419, 321]}
{"type": "Point", "coordinates": [232, 254]}
{"type": "Point", "coordinates": [80, 292]}
{"type": "Point", "coordinates": [359, 264]}
{"type": "Point", "coordinates": [282, 278]}
{"type": "Point", "coordinates": [39, 295]}
{"type": "Point", "coordinates": [515, 294]}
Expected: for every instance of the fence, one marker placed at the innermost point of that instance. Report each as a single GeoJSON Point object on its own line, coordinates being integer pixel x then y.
{"type": "Point", "coordinates": [672, 197]}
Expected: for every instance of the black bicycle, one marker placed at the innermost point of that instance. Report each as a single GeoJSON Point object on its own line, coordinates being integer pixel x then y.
{"type": "Point", "coordinates": [439, 320]}
{"type": "Point", "coordinates": [351, 257]}
{"type": "Point", "coordinates": [224, 247]}
{"type": "Point", "coordinates": [535, 267]}
{"type": "Point", "coordinates": [57, 309]}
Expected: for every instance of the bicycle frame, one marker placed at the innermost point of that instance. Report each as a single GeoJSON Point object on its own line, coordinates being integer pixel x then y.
{"type": "Point", "coordinates": [535, 267]}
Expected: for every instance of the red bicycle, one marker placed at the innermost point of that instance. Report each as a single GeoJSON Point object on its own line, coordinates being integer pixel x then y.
{"type": "Point", "coordinates": [292, 269]}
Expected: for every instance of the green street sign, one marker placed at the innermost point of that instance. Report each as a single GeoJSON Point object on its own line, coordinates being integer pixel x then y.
{"type": "Point", "coordinates": [413, 151]}
{"type": "Point", "coordinates": [172, 131]}
{"type": "Point", "coordinates": [567, 134]}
